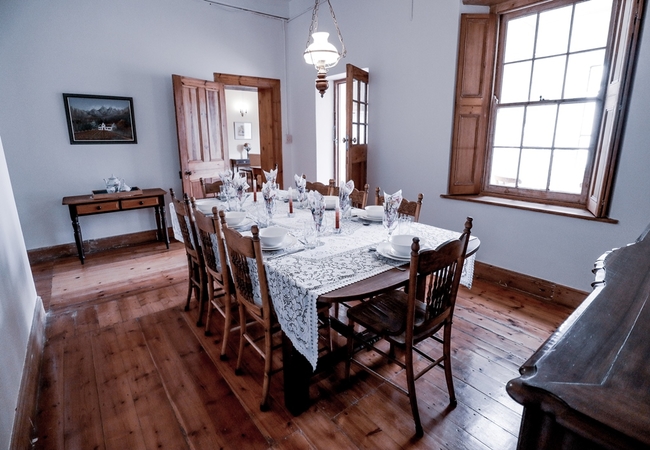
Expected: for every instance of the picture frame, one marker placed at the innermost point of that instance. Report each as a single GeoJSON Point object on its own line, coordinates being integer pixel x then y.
{"type": "Point", "coordinates": [242, 130]}
{"type": "Point", "coordinates": [100, 119]}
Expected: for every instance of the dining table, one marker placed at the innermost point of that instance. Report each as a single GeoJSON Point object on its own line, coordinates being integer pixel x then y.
{"type": "Point", "coordinates": [353, 261]}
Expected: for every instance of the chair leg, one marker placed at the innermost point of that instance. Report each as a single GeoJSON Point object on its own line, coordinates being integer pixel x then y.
{"type": "Point", "coordinates": [190, 285]}
{"type": "Point", "coordinates": [350, 349]}
{"type": "Point", "coordinates": [446, 348]}
{"type": "Point", "coordinates": [201, 294]}
{"type": "Point", "coordinates": [210, 299]}
{"type": "Point", "coordinates": [410, 382]}
{"type": "Point", "coordinates": [242, 332]}
{"type": "Point", "coordinates": [268, 366]}
{"type": "Point", "coordinates": [226, 327]}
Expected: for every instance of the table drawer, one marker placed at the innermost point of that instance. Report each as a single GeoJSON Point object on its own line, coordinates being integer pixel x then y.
{"type": "Point", "coordinates": [139, 202]}
{"type": "Point", "coordinates": [98, 207]}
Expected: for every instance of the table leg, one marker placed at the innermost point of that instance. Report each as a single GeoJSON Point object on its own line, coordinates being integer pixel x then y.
{"type": "Point", "coordinates": [161, 222]}
{"type": "Point", "coordinates": [297, 373]}
{"type": "Point", "coordinates": [78, 239]}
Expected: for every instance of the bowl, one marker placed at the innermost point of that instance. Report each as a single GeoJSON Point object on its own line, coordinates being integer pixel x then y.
{"type": "Point", "coordinates": [234, 218]}
{"type": "Point", "coordinates": [375, 211]}
{"type": "Point", "coordinates": [272, 236]}
{"type": "Point", "coordinates": [330, 201]}
{"type": "Point", "coordinates": [401, 244]}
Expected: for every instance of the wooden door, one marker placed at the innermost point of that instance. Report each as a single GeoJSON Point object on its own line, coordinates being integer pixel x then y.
{"type": "Point", "coordinates": [201, 129]}
{"type": "Point", "coordinates": [270, 117]}
{"type": "Point", "coordinates": [356, 127]}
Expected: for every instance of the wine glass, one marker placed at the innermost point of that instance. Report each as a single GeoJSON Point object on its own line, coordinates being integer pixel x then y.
{"type": "Point", "coordinates": [390, 220]}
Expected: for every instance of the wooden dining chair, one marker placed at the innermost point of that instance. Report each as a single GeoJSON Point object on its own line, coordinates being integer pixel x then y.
{"type": "Point", "coordinates": [324, 189]}
{"type": "Point", "coordinates": [407, 318]}
{"type": "Point", "coordinates": [406, 208]}
{"type": "Point", "coordinates": [221, 291]}
{"type": "Point", "coordinates": [254, 300]}
{"type": "Point", "coordinates": [195, 264]}
{"type": "Point", "coordinates": [358, 198]}
{"type": "Point", "coordinates": [210, 189]}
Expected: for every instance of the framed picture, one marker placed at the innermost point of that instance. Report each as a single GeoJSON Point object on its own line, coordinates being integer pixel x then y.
{"type": "Point", "coordinates": [242, 130]}
{"type": "Point", "coordinates": [100, 119]}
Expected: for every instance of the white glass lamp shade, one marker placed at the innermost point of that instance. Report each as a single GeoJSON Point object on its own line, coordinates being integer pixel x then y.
{"type": "Point", "coordinates": [320, 52]}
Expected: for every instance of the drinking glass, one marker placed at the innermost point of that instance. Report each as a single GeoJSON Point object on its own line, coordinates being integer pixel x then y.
{"type": "Point", "coordinates": [390, 220]}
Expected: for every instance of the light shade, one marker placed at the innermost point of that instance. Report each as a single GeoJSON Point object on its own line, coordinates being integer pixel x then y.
{"type": "Point", "coordinates": [320, 52]}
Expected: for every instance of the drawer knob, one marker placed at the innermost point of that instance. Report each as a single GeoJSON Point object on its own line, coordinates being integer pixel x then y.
{"type": "Point", "coordinates": [141, 202]}
{"type": "Point", "coordinates": [99, 207]}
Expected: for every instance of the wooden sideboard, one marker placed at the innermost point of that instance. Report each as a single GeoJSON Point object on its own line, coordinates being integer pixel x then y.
{"type": "Point", "coordinates": [86, 205]}
{"type": "Point", "coordinates": [588, 386]}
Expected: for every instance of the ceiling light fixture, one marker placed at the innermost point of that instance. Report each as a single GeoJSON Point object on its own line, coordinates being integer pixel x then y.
{"type": "Point", "coordinates": [320, 52]}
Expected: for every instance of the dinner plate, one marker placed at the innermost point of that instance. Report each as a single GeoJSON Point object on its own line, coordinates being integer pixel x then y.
{"type": "Point", "coordinates": [288, 241]}
{"type": "Point", "coordinates": [364, 216]}
{"type": "Point", "coordinates": [385, 250]}
{"type": "Point", "coordinates": [205, 205]}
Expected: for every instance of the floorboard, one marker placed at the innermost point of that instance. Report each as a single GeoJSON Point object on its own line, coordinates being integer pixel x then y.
{"type": "Point", "coordinates": [125, 367]}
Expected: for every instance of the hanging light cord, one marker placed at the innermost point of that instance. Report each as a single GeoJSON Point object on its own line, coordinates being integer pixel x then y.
{"type": "Point", "coordinates": [314, 26]}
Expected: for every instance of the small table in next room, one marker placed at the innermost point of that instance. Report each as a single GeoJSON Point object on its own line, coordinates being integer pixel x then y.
{"type": "Point", "coordinates": [86, 205]}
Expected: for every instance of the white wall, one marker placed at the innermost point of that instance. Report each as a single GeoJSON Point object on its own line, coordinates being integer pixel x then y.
{"type": "Point", "coordinates": [17, 302]}
{"type": "Point", "coordinates": [412, 61]}
{"type": "Point", "coordinates": [125, 48]}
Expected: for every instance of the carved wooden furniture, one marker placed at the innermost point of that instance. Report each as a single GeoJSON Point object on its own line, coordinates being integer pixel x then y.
{"type": "Point", "coordinates": [588, 385]}
{"type": "Point", "coordinates": [408, 319]}
{"type": "Point", "coordinates": [358, 199]}
{"type": "Point", "coordinates": [324, 189]}
{"type": "Point", "coordinates": [210, 189]}
{"type": "Point", "coordinates": [86, 205]}
{"type": "Point", "coordinates": [406, 207]}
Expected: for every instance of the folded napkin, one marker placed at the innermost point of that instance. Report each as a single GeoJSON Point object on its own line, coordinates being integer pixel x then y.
{"type": "Point", "coordinates": [269, 193]}
{"type": "Point", "coordinates": [239, 183]}
{"type": "Point", "coordinates": [271, 175]}
{"type": "Point", "coordinates": [226, 177]}
{"type": "Point", "coordinates": [300, 183]}
{"type": "Point", "coordinates": [391, 206]}
{"type": "Point", "coordinates": [316, 203]}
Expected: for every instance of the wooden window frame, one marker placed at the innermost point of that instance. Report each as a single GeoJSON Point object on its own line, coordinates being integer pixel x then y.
{"type": "Point", "coordinates": [475, 87]}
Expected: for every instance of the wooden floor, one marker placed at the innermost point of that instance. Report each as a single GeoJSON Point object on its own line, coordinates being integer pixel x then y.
{"type": "Point", "coordinates": [126, 368]}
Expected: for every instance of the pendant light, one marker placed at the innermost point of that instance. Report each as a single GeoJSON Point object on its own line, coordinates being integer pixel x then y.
{"type": "Point", "coordinates": [320, 53]}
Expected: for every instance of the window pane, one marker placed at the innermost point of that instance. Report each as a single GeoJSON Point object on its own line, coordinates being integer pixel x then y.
{"type": "Point", "coordinates": [507, 131]}
{"type": "Point", "coordinates": [533, 168]}
{"type": "Point", "coordinates": [520, 38]}
{"type": "Point", "coordinates": [568, 171]}
{"type": "Point", "coordinates": [591, 25]}
{"type": "Point", "coordinates": [516, 82]}
{"type": "Point", "coordinates": [548, 76]}
{"type": "Point", "coordinates": [540, 124]}
{"type": "Point", "coordinates": [504, 166]}
{"type": "Point", "coordinates": [553, 32]}
{"type": "Point", "coordinates": [584, 74]}
{"type": "Point", "coordinates": [574, 125]}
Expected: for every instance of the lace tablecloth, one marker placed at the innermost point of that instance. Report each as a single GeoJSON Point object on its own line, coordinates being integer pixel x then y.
{"type": "Point", "coordinates": [297, 280]}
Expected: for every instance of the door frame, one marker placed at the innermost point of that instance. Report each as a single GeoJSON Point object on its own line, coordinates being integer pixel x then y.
{"type": "Point", "coordinates": [270, 117]}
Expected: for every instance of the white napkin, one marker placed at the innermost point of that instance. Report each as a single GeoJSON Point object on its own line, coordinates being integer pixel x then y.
{"type": "Point", "coordinates": [271, 175]}
{"type": "Point", "coordinates": [300, 183]}
{"type": "Point", "coordinates": [391, 205]}
{"type": "Point", "coordinates": [226, 177]}
{"type": "Point", "coordinates": [316, 203]}
{"type": "Point", "coordinates": [239, 183]}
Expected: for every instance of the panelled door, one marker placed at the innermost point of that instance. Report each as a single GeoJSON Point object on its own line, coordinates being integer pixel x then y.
{"type": "Point", "coordinates": [201, 129]}
{"type": "Point", "coordinates": [356, 127]}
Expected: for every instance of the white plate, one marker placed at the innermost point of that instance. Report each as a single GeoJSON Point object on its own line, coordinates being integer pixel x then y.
{"type": "Point", "coordinates": [385, 250]}
{"type": "Point", "coordinates": [364, 216]}
{"type": "Point", "coordinates": [288, 241]}
{"type": "Point", "coordinates": [205, 205]}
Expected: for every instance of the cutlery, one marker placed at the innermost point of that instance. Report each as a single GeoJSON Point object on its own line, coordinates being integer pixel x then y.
{"type": "Point", "coordinates": [290, 252]}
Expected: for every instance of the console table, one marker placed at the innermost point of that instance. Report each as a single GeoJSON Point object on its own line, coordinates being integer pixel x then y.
{"type": "Point", "coordinates": [86, 205]}
{"type": "Point", "coordinates": [588, 386]}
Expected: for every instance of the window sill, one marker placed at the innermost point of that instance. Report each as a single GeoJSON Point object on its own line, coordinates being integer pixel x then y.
{"type": "Point", "coordinates": [567, 211]}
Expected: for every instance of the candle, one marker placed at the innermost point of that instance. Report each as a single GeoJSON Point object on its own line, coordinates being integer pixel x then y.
{"type": "Point", "coordinates": [337, 218]}
{"type": "Point", "coordinates": [254, 190]}
{"type": "Point", "coordinates": [290, 201]}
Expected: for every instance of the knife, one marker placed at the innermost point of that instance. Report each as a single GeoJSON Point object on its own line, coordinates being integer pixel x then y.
{"type": "Point", "coordinates": [290, 252]}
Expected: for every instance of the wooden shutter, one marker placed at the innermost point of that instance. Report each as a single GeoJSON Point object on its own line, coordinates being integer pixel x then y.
{"type": "Point", "coordinates": [625, 38]}
{"type": "Point", "coordinates": [474, 77]}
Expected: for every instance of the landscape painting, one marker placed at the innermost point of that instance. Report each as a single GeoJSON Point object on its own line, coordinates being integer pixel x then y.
{"type": "Point", "coordinates": [100, 119]}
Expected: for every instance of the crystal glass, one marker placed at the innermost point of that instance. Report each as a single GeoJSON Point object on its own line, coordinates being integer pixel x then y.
{"type": "Point", "coordinates": [390, 220]}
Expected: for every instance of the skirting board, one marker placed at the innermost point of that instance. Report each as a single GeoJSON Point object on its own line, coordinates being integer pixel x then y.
{"type": "Point", "coordinates": [28, 394]}
{"type": "Point", "coordinates": [535, 287]}
{"type": "Point", "coordinates": [93, 245]}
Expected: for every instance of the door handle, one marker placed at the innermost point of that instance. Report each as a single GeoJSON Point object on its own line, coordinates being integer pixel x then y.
{"type": "Point", "coordinates": [188, 172]}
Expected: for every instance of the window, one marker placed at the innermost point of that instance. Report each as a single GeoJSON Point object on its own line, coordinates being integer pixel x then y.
{"type": "Point", "coordinates": [540, 106]}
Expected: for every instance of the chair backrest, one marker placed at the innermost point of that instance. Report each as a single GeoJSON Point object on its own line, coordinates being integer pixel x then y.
{"type": "Point", "coordinates": [358, 199]}
{"type": "Point", "coordinates": [213, 248]}
{"type": "Point", "coordinates": [247, 270]}
{"type": "Point", "coordinates": [324, 189]}
{"type": "Point", "coordinates": [210, 189]}
{"type": "Point", "coordinates": [433, 281]}
{"type": "Point", "coordinates": [406, 208]}
{"type": "Point", "coordinates": [186, 223]}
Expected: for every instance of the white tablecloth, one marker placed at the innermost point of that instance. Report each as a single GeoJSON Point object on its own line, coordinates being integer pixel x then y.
{"type": "Point", "coordinates": [296, 280]}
